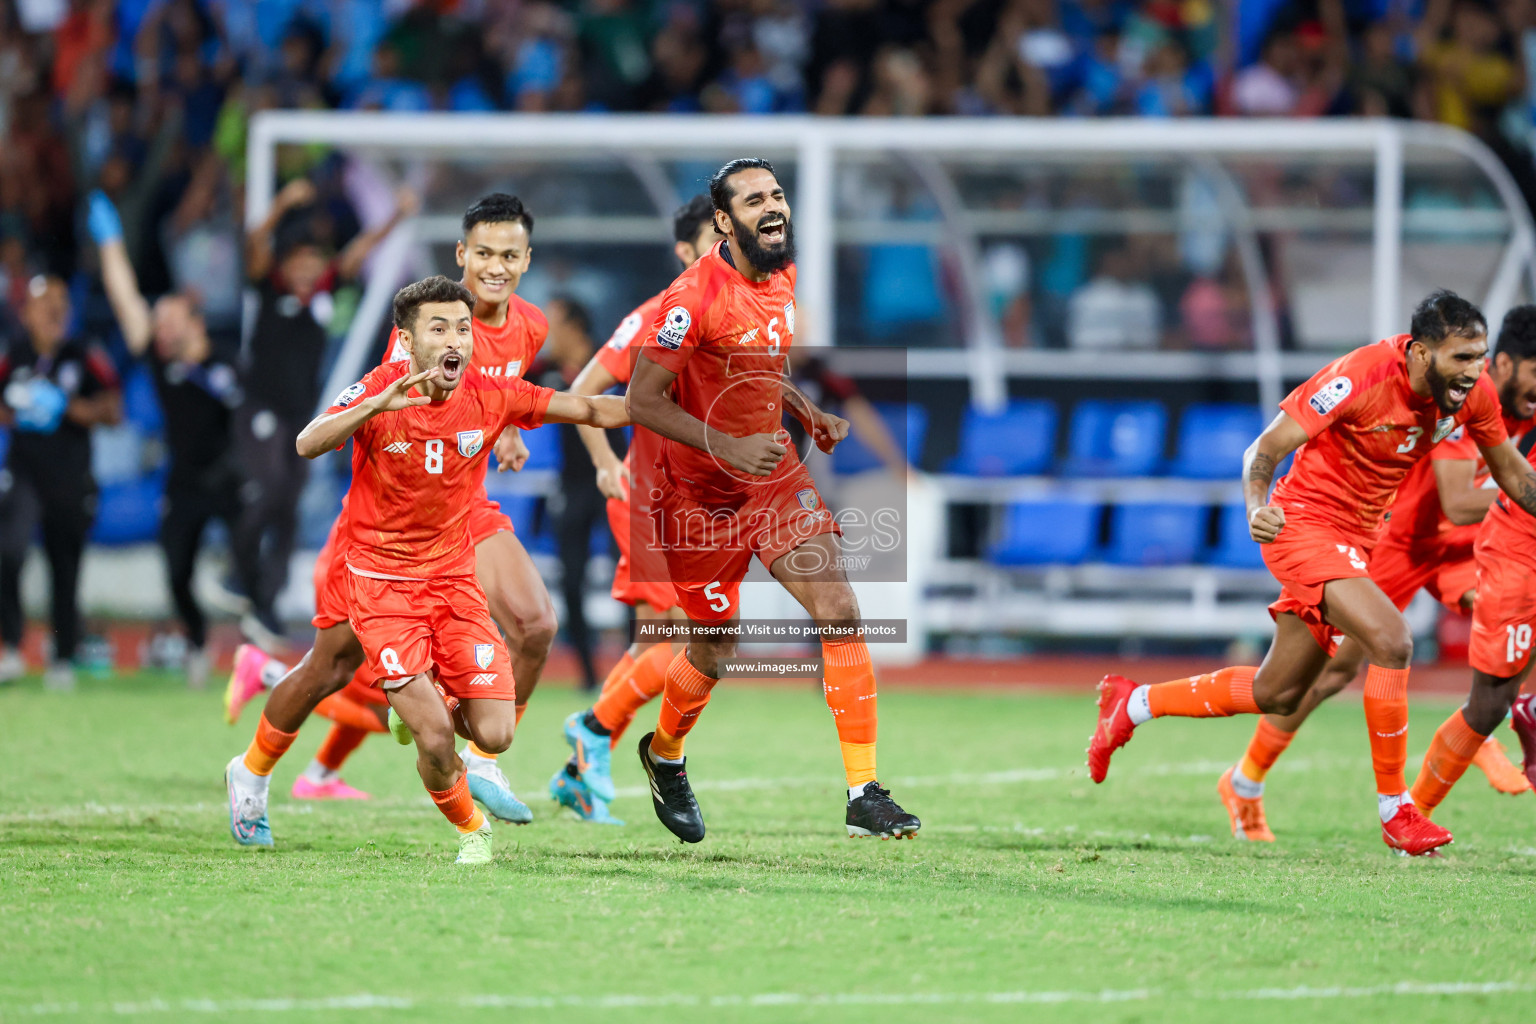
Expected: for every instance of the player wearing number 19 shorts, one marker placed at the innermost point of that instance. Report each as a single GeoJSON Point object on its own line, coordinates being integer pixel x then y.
{"type": "Point", "coordinates": [1361, 424]}
{"type": "Point", "coordinates": [1500, 654]}
{"type": "Point", "coordinates": [711, 381]}
{"type": "Point", "coordinates": [1427, 544]}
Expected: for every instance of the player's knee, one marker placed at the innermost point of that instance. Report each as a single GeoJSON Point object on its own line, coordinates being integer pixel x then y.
{"type": "Point", "coordinates": [1392, 647]}
{"type": "Point", "coordinates": [837, 604]}
{"type": "Point", "coordinates": [493, 737]}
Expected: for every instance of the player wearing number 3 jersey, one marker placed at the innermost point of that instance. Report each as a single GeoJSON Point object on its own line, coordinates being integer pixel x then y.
{"type": "Point", "coordinates": [1361, 423]}
{"type": "Point", "coordinates": [421, 433]}
{"type": "Point", "coordinates": [711, 381]}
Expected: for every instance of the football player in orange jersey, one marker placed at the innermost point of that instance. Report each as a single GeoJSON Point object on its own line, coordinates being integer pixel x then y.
{"type": "Point", "coordinates": [585, 784]}
{"type": "Point", "coordinates": [710, 381]}
{"type": "Point", "coordinates": [494, 253]}
{"type": "Point", "coordinates": [1361, 423]}
{"type": "Point", "coordinates": [1428, 543]}
{"type": "Point", "coordinates": [414, 608]}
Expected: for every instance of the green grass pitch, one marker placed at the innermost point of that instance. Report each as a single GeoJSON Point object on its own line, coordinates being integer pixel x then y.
{"type": "Point", "coordinates": [1031, 894]}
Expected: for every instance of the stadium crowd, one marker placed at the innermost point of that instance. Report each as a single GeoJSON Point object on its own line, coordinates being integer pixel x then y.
{"type": "Point", "coordinates": [122, 251]}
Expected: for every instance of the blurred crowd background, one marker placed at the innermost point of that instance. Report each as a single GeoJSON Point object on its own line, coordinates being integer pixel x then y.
{"type": "Point", "coordinates": [144, 105]}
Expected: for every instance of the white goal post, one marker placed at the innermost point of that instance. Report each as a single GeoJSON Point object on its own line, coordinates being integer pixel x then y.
{"type": "Point", "coordinates": [929, 146]}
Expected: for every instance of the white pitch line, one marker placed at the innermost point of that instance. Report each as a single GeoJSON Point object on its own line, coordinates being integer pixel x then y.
{"type": "Point", "coordinates": [1006, 777]}
{"type": "Point", "coordinates": [760, 1000]}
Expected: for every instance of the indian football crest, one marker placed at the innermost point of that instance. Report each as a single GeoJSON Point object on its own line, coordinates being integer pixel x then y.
{"type": "Point", "coordinates": [483, 655]}
{"type": "Point", "coordinates": [1443, 428]}
{"type": "Point", "coordinates": [470, 442]}
{"type": "Point", "coordinates": [807, 499]}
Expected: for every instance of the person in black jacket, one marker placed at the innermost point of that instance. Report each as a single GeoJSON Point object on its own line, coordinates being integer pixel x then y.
{"type": "Point", "coordinates": [198, 390]}
{"type": "Point", "coordinates": [54, 387]}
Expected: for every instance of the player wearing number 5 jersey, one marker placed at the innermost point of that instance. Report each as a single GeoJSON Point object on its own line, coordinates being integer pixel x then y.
{"type": "Point", "coordinates": [1361, 423]}
{"type": "Point", "coordinates": [413, 602]}
{"type": "Point", "coordinates": [710, 380]}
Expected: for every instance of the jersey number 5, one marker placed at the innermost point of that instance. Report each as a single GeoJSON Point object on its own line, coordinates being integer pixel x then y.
{"type": "Point", "coordinates": [718, 601]}
{"type": "Point", "coordinates": [773, 347]}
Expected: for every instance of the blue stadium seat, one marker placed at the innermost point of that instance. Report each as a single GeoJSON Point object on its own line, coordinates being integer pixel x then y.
{"type": "Point", "coordinates": [129, 513]}
{"type": "Point", "coordinates": [141, 406]}
{"type": "Point", "coordinates": [1019, 441]}
{"type": "Point", "coordinates": [1212, 439]}
{"type": "Point", "coordinates": [1059, 532]}
{"type": "Point", "coordinates": [908, 425]}
{"type": "Point", "coordinates": [1235, 547]}
{"type": "Point", "coordinates": [1116, 438]}
{"type": "Point", "coordinates": [1156, 533]}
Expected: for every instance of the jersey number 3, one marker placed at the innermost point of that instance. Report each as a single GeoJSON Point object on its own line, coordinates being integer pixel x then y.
{"type": "Point", "coordinates": [1414, 433]}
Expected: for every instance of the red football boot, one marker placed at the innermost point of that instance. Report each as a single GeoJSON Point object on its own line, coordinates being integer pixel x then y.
{"type": "Point", "coordinates": [1115, 726]}
{"type": "Point", "coordinates": [1412, 833]}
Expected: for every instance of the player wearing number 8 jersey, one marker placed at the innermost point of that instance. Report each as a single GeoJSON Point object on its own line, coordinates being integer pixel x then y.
{"type": "Point", "coordinates": [414, 605]}
{"type": "Point", "coordinates": [710, 380]}
{"type": "Point", "coordinates": [1361, 424]}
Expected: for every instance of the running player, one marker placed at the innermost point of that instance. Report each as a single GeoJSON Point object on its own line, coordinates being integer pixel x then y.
{"type": "Point", "coordinates": [585, 784]}
{"type": "Point", "coordinates": [414, 606]}
{"type": "Point", "coordinates": [1427, 543]}
{"type": "Point", "coordinates": [1500, 655]}
{"type": "Point", "coordinates": [710, 380]}
{"type": "Point", "coordinates": [1364, 421]}
{"type": "Point", "coordinates": [494, 253]}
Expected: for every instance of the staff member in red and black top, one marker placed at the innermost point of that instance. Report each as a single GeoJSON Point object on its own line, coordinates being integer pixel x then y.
{"type": "Point", "coordinates": [292, 276]}
{"type": "Point", "coordinates": [53, 389]}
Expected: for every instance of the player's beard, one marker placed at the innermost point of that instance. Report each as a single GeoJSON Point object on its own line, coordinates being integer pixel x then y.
{"type": "Point", "coordinates": [1440, 389]}
{"type": "Point", "coordinates": [1510, 398]}
{"type": "Point", "coordinates": [762, 258]}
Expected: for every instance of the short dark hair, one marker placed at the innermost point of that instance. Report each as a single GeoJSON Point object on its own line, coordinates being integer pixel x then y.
{"type": "Point", "coordinates": [575, 312]}
{"type": "Point", "coordinates": [498, 208]}
{"type": "Point", "coordinates": [1442, 314]}
{"type": "Point", "coordinates": [720, 192]}
{"type": "Point", "coordinates": [1517, 334]}
{"type": "Point", "coordinates": [412, 297]}
{"type": "Point", "coordinates": [692, 216]}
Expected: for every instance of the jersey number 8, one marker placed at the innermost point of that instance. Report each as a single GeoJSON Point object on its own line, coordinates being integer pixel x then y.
{"type": "Point", "coordinates": [434, 456]}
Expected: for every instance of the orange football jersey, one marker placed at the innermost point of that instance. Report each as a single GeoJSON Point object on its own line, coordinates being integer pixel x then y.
{"type": "Point", "coordinates": [417, 472]}
{"type": "Point", "coordinates": [1367, 429]}
{"type": "Point", "coordinates": [727, 339]}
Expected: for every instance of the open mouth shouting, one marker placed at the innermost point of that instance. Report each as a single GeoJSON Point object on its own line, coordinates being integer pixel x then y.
{"type": "Point", "coordinates": [1457, 391]}
{"type": "Point", "coordinates": [773, 230]}
{"type": "Point", "coordinates": [452, 365]}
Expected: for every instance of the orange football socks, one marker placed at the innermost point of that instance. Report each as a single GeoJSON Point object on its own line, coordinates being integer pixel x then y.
{"type": "Point", "coordinates": [267, 747]}
{"type": "Point", "coordinates": [1268, 743]}
{"type": "Point", "coordinates": [470, 748]}
{"type": "Point", "coordinates": [850, 689]}
{"type": "Point", "coordinates": [684, 695]}
{"type": "Point", "coordinates": [458, 806]}
{"type": "Point", "coordinates": [646, 676]}
{"type": "Point", "coordinates": [517, 714]}
{"type": "Point", "coordinates": [1386, 716]}
{"type": "Point", "coordinates": [338, 746]}
{"type": "Point", "coordinates": [1227, 691]}
{"type": "Point", "coordinates": [1454, 746]}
